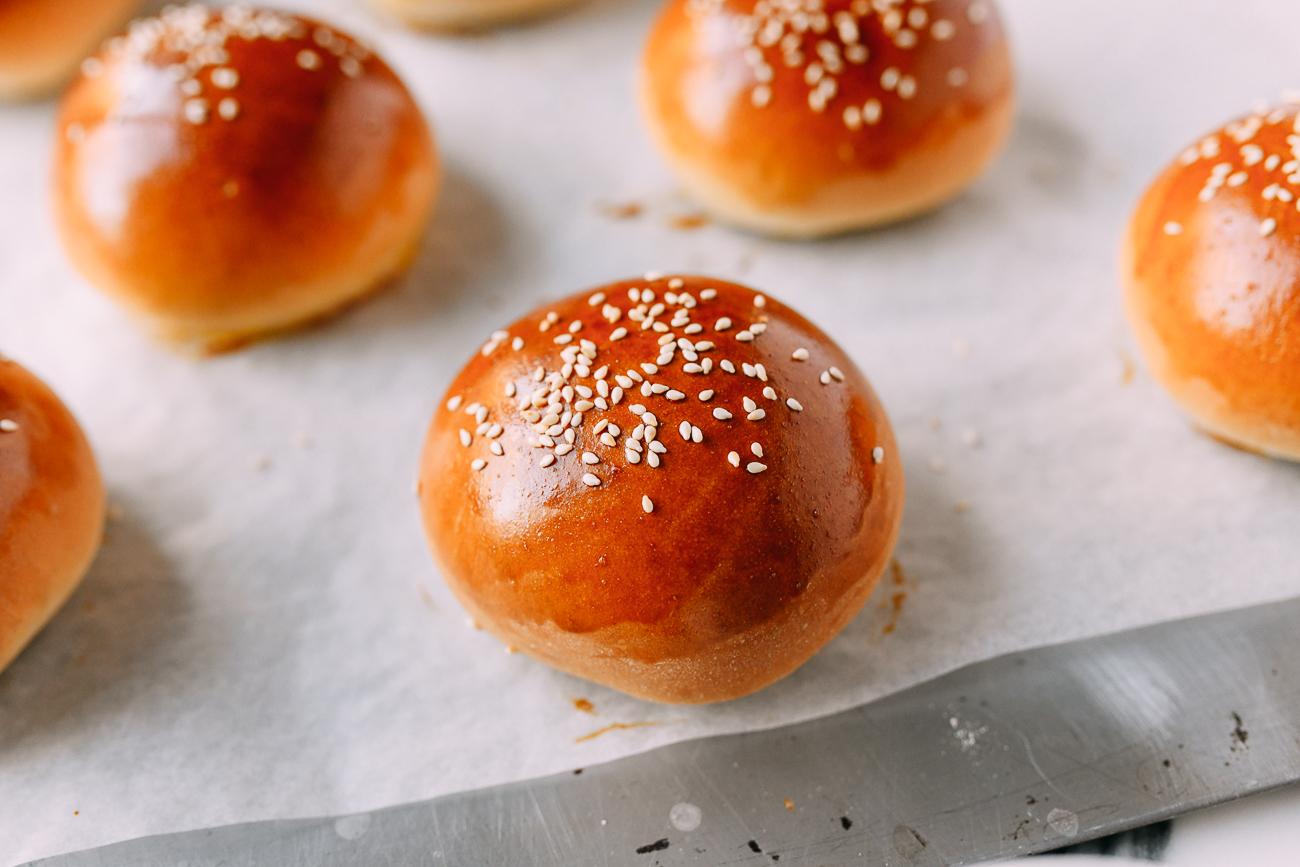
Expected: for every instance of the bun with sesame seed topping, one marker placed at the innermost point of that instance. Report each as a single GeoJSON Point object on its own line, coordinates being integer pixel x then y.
{"type": "Point", "coordinates": [230, 173]}
{"type": "Point", "coordinates": [801, 118]}
{"type": "Point", "coordinates": [42, 41]}
{"type": "Point", "coordinates": [454, 15]}
{"type": "Point", "coordinates": [1211, 274]}
{"type": "Point", "coordinates": [674, 486]}
{"type": "Point", "coordinates": [51, 507]}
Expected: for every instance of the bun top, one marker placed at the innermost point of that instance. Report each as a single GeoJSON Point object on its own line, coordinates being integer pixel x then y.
{"type": "Point", "coordinates": [678, 453]}
{"type": "Point", "coordinates": [1212, 264]}
{"type": "Point", "coordinates": [225, 169]}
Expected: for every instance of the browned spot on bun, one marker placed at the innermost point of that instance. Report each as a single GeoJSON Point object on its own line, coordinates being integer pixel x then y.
{"type": "Point", "coordinates": [809, 117]}
{"type": "Point", "coordinates": [230, 173]}
{"type": "Point", "coordinates": [1211, 273]}
{"type": "Point", "coordinates": [682, 495]}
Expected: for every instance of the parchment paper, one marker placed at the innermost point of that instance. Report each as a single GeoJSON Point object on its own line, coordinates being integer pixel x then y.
{"type": "Point", "coordinates": [264, 634]}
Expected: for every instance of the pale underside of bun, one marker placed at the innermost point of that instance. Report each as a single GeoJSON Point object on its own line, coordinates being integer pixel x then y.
{"type": "Point", "coordinates": [467, 15]}
{"type": "Point", "coordinates": [1210, 266]}
{"type": "Point", "coordinates": [714, 507]}
{"type": "Point", "coordinates": [51, 507]}
{"type": "Point", "coordinates": [42, 41]}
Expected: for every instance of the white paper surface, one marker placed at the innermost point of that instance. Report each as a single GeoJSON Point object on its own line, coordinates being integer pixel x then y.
{"type": "Point", "coordinates": [264, 643]}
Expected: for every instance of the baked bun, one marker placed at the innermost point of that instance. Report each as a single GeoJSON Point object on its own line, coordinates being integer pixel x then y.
{"type": "Point", "coordinates": [51, 507]}
{"type": "Point", "coordinates": [675, 487]}
{"type": "Point", "coordinates": [42, 41]}
{"type": "Point", "coordinates": [230, 173]}
{"type": "Point", "coordinates": [807, 117]}
{"type": "Point", "coordinates": [454, 15]}
{"type": "Point", "coordinates": [1211, 273]}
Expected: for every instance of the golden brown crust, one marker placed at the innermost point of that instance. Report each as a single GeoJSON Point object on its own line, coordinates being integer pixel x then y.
{"type": "Point", "coordinates": [861, 117]}
{"type": "Point", "coordinates": [51, 507]}
{"type": "Point", "coordinates": [42, 41]}
{"type": "Point", "coordinates": [466, 15]}
{"type": "Point", "coordinates": [243, 186]}
{"type": "Point", "coordinates": [743, 568]}
{"type": "Point", "coordinates": [1211, 272]}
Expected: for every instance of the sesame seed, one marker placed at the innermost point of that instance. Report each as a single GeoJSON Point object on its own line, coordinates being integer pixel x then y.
{"type": "Point", "coordinates": [709, 294]}
{"type": "Point", "coordinates": [878, 454]}
{"type": "Point", "coordinates": [496, 448]}
{"type": "Point", "coordinates": [685, 430]}
{"type": "Point", "coordinates": [707, 394]}
{"type": "Point", "coordinates": [659, 388]}
{"type": "Point", "coordinates": [794, 405]}
{"type": "Point", "coordinates": [755, 467]}
{"type": "Point", "coordinates": [694, 328]}
{"type": "Point", "coordinates": [465, 438]}
{"type": "Point", "coordinates": [692, 367]}
{"type": "Point", "coordinates": [825, 378]}
{"type": "Point", "coordinates": [657, 447]}
{"type": "Point", "coordinates": [618, 333]}
{"type": "Point", "coordinates": [608, 439]}
{"type": "Point", "coordinates": [757, 415]}
{"type": "Point", "coordinates": [225, 78]}
{"type": "Point", "coordinates": [744, 336]}
{"type": "Point", "coordinates": [646, 505]}
{"type": "Point", "coordinates": [583, 405]}
{"type": "Point", "coordinates": [598, 298]}
{"type": "Point", "coordinates": [1172, 228]}
{"type": "Point", "coordinates": [697, 435]}
{"type": "Point", "coordinates": [760, 301]}
{"type": "Point", "coordinates": [539, 374]}
{"type": "Point", "coordinates": [707, 364]}
{"type": "Point", "coordinates": [582, 391]}
{"type": "Point", "coordinates": [563, 449]}
{"type": "Point", "coordinates": [757, 450]}
{"type": "Point", "coordinates": [510, 389]}
{"type": "Point", "coordinates": [564, 338]}
{"type": "Point", "coordinates": [646, 389]}
{"type": "Point", "coordinates": [633, 375]}
{"type": "Point", "coordinates": [191, 87]}
{"type": "Point", "coordinates": [721, 414]}
{"type": "Point", "coordinates": [749, 404]}
{"type": "Point", "coordinates": [1267, 227]}
{"type": "Point", "coordinates": [309, 59]}
{"type": "Point", "coordinates": [769, 393]}
{"type": "Point", "coordinates": [835, 372]}
{"type": "Point", "coordinates": [761, 371]}
{"type": "Point", "coordinates": [664, 360]}
{"type": "Point", "coordinates": [482, 429]}
{"type": "Point", "coordinates": [196, 111]}
{"type": "Point", "coordinates": [494, 431]}
{"type": "Point", "coordinates": [722, 324]}
{"type": "Point", "coordinates": [633, 456]}
{"type": "Point", "coordinates": [615, 396]}
{"type": "Point", "coordinates": [800, 354]}
{"type": "Point", "coordinates": [727, 366]}
{"type": "Point", "coordinates": [350, 66]}
{"type": "Point", "coordinates": [733, 458]}
{"type": "Point", "coordinates": [590, 458]}
{"type": "Point", "coordinates": [454, 403]}
{"type": "Point", "coordinates": [8, 425]}
{"type": "Point", "coordinates": [477, 464]}
{"type": "Point", "coordinates": [547, 460]}
{"type": "Point", "coordinates": [590, 481]}
{"type": "Point", "coordinates": [749, 369]}
{"type": "Point", "coordinates": [649, 419]}
{"type": "Point", "coordinates": [704, 346]}
{"type": "Point", "coordinates": [673, 394]}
